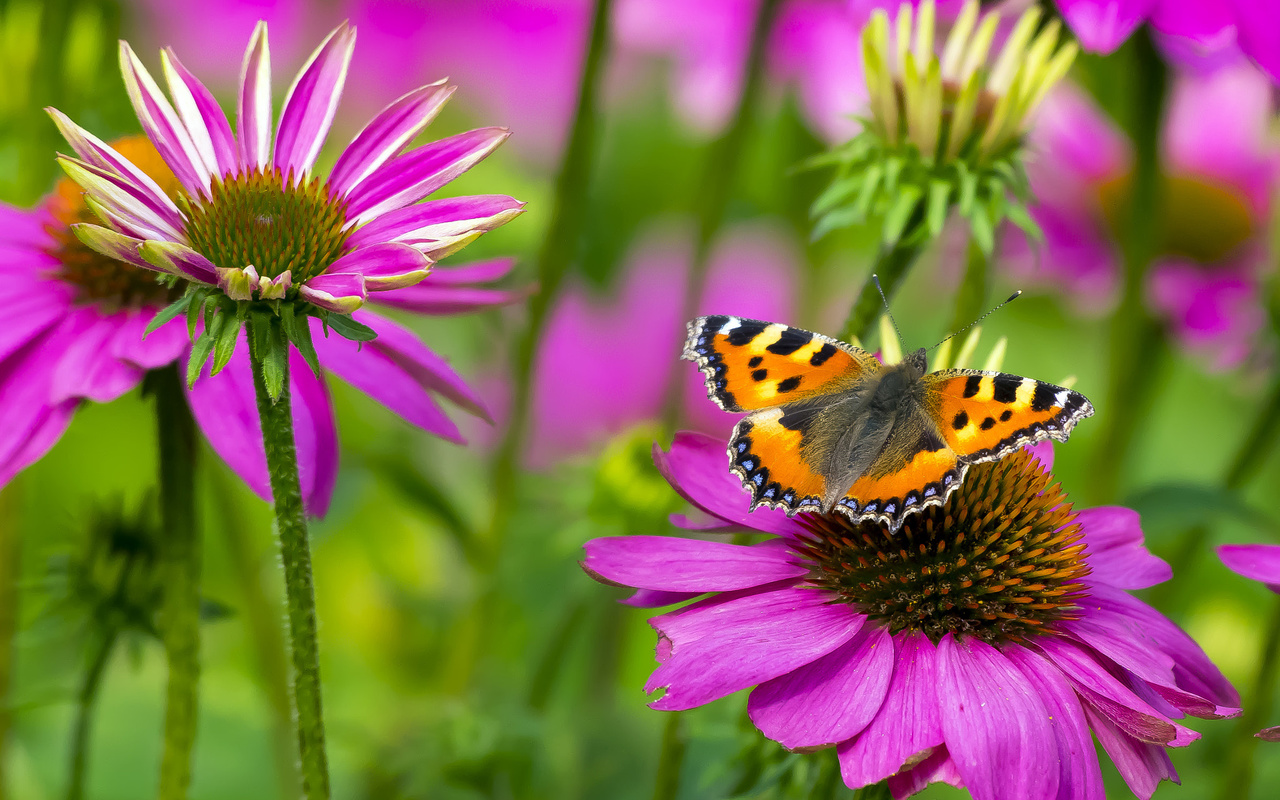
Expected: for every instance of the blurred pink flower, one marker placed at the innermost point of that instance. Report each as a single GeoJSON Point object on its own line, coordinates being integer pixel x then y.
{"type": "Point", "coordinates": [1190, 30]}
{"type": "Point", "coordinates": [1221, 167]}
{"type": "Point", "coordinates": [605, 364]}
{"type": "Point", "coordinates": [1259, 562]}
{"type": "Point", "coordinates": [813, 46]}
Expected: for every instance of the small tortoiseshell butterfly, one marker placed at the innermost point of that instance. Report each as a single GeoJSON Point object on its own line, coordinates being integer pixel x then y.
{"type": "Point", "coordinates": [832, 428]}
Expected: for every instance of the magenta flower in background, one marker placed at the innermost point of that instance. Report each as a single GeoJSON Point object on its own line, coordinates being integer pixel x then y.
{"type": "Point", "coordinates": [1196, 29]}
{"type": "Point", "coordinates": [813, 45]}
{"type": "Point", "coordinates": [979, 647]}
{"type": "Point", "coordinates": [1222, 168]}
{"type": "Point", "coordinates": [605, 364]}
{"type": "Point", "coordinates": [1259, 562]}
{"type": "Point", "coordinates": [231, 206]}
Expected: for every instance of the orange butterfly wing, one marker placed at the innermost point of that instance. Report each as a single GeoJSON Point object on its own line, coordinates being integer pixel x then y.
{"type": "Point", "coordinates": [984, 416]}
{"type": "Point", "coordinates": [751, 365]}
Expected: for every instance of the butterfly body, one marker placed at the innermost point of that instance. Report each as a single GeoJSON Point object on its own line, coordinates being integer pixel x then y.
{"type": "Point", "coordinates": [831, 428]}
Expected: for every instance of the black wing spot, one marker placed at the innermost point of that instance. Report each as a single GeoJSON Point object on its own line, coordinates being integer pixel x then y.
{"type": "Point", "coordinates": [759, 375]}
{"type": "Point", "coordinates": [1043, 398]}
{"type": "Point", "coordinates": [972, 385]}
{"type": "Point", "coordinates": [1005, 388]}
{"type": "Point", "coordinates": [789, 385]}
{"type": "Point", "coordinates": [755, 361]}
{"type": "Point", "coordinates": [825, 352]}
{"type": "Point", "coordinates": [961, 420]}
{"type": "Point", "coordinates": [790, 341]}
{"type": "Point", "coordinates": [987, 424]}
{"type": "Point", "coordinates": [1005, 415]}
{"type": "Point", "coordinates": [746, 331]}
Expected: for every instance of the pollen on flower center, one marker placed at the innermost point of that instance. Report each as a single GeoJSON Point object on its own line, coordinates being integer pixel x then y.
{"type": "Point", "coordinates": [1000, 560]}
{"type": "Point", "coordinates": [263, 219]}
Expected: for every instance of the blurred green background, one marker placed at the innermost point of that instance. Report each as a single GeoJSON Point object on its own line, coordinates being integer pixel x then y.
{"type": "Point", "coordinates": [446, 676]}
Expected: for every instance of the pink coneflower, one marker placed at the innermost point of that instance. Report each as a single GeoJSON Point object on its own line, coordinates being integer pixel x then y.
{"type": "Point", "coordinates": [1221, 167]}
{"type": "Point", "coordinates": [1259, 562]}
{"type": "Point", "coordinates": [979, 646]}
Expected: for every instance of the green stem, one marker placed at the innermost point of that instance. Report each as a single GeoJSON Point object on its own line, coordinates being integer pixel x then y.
{"type": "Point", "coordinates": [295, 555]}
{"type": "Point", "coordinates": [180, 615]}
{"type": "Point", "coordinates": [552, 662]}
{"type": "Point", "coordinates": [560, 248]}
{"type": "Point", "coordinates": [87, 701]}
{"type": "Point", "coordinates": [712, 199]}
{"type": "Point", "coordinates": [1238, 776]}
{"type": "Point", "coordinates": [972, 294]}
{"type": "Point", "coordinates": [10, 573]}
{"type": "Point", "coordinates": [671, 759]}
{"type": "Point", "coordinates": [262, 616]}
{"type": "Point", "coordinates": [892, 265]}
{"type": "Point", "coordinates": [1137, 340]}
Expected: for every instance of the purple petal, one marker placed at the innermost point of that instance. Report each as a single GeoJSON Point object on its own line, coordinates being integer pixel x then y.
{"type": "Point", "coordinates": [1269, 734]}
{"type": "Point", "coordinates": [253, 117]}
{"type": "Point", "coordinates": [428, 298]}
{"type": "Point", "coordinates": [28, 319]}
{"type": "Point", "coordinates": [1142, 765]}
{"type": "Point", "coordinates": [1116, 552]}
{"type": "Point", "coordinates": [100, 154]}
{"type": "Point", "coordinates": [162, 126]}
{"type": "Point", "coordinates": [697, 467]}
{"type": "Point", "coordinates": [1258, 31]}
{"type": "Point", "coordinates": [178, 259]}
{"type": "Point", "coordinates": [998, 731]}
{"type": "Point", "coordinates": [409, 178]}
{"type": "Point", "coordinates": [87, 369]}
{"type": "Point", "coordinates": [311, 103]}
{"type": "Point", "coordinates": [373, 372]}
{"type": "Point", "coordinates": [937, 767]}
{"type": "Point", "coordinates": [717, 647]}
{"type": "Point", "coordinates": [161, 347]}
{"type": "Point", "coordinates": [436, 220]}
{"type": "Point", "coordinates": [29, 422]}
{"type": "Point", "coordinates": [1194, 19]}
{"type": "Point", "coordinates": [1101, 690]}
{"type": "Point", "coordinates": [387, 134]}
{"type": "Point", "coordinates": [1103, 25]}
{"type": "Point", "coordinates": [1259, 562]}
{"type": "Point", "coordinates": [476, 272]}
{"type": "Point", "coordinates": [202, 115]}
{"type": "Point", "coordinates": [828, 700]}
{"type": "Point", "coordinates": [121, 197]}
{"type": "Point", "coordinates": [1079, 775]}
{"type": "Point", "coordinates": [908, 724]}
{"type": "Point", "coordinates": [674, 564]}
{"type": "Point", "coordinates": [651, 598]}
{"type": "Point", "coordinates": [225, 406]}
{"type": "Point", "coordinates": [431, 371]}
{"type": "Point", "coordinates": [335, 292]}
{"type": "Point", "coordinates": [388, 265]}
{"type": "Point", "coordinates": [45, 429]}
{"type": "Point", "coordinates": [1215, 312]}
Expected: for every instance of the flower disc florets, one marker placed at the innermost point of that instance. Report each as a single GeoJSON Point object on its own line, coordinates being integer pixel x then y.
{"type": "Point", "coordinates": [944, 130]}
{"type": "Point", "coordinates": [269, 221]}
{"type": "Point", "coordinates": [1000, 560]}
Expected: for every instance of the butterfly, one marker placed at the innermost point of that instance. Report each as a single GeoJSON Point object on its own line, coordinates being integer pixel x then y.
{"type": "Point", "coordinates": [831, 428]}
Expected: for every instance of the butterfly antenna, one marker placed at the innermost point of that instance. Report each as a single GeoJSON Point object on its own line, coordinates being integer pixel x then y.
{"type": "Point", "coordinates": [885, 300]}
{"type": "Point", "coordinates": [1012, 297]}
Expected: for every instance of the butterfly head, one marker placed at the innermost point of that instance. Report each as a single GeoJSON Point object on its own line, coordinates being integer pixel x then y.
{"type": "Point", "coordinates": [916, 364]}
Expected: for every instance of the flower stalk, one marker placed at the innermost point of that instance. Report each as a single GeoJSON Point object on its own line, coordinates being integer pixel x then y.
{"type": "Point", "coordinates": [86, 703]}
{"type": "Point", "coordinates": [295, 555]}
{"type": "Point", "coordinates": [180, 613]}
{"type": "Point", "coordinates": [10, 573]}
{"type": "Point", "coordinates": [1237, 778]}
{"type": "Point", "coordinates": [891, 267]}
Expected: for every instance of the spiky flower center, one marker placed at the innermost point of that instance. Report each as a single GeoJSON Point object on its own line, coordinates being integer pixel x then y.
{"type": "Point", "coordinates": [1202, 219]}
{"type": "Point", "coordinates": [1000, 560]}
{"type": "Point", "coordinates": [100, 279]}
{"type": "Point", "coordinates": [266, 220]}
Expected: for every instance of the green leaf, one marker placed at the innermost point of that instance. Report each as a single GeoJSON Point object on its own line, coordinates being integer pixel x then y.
{"type": "Point", "coordinates": [980, 225]}
{"type": "Point", "coordinates": [840, 218]}
{"type": "Point", "coordinates": [939, 194]}
{"type": "Point", "coordinates": [275, 359]}
{"type": "Point", "coordinates": [968, 190]}
{"type": "Point", "coordinates": [200, 350]}
{"type": "Point", "coordinates": [348, 328]}
{"type": "Point", "coordinates": [228, 332]}
{"type": "Point", "coordinates": [870, 182]}
{"type": "Point", "coordinates": [170, 312]}
{"type": "Point", "coordinates": [892, 170]}
{"type": "Point", "coordinates": [903, 206]}
{"type": "Point", "coordinates": [194, 309]}
{"type": "Point", "coordinates": [835, 194]}
{"type": "Point", "coordinates": [1018, 215]}
{"type": "Point", "coordinates": [297, 329]}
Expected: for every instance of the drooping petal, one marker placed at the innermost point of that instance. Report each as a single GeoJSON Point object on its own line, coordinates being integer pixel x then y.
{"type": "Point", "coordinates": [161, 347]}
{"type": "Point", "coordinates": [937, 767]}
{"type": "Point", "coordinates": [253, 117]}
{"type": "Point", "coordinates": [675, 564]}
{"type": "Point", "coordinates": [343, 293]}
{"type": "Point", "coordinates": [29, 422]}
{"type": "Point", "coordinates": [178, 259]}
{"type": "Point", "coordinates": [1142, 765]}
{"type": "Point", "coordinates": [384, 266]}
{"type": "Point", "coordinates": [162, 125]}
{"type": "Point", "coordinates": [428, 297]}
{"type": "Point", "coordinates": [27, 318]}
{"type": "Point", "coordinates": [1259, 562]}
{"type": "Point", "coordinates": [653, 598]}
{"type": "Point", "coordinates": [1258, 31]}
{"type": "Point", "coordinates": [1103, 25]}
{"type": "Point", "coordinates": [413, 176]}
{"type": "Point", "coordinates": [698, 468]}
{"type": "Point", "coordinates": [373, 372]}
{"type": "Point", "coordinates": [437, 220]}
{"type": "Point", "coordinates": [907, 725]}
{"type": "Point", "coordinates": [387, 134]}
{"type": "Point", "coordinates": [1079, 775]}
{"type": "Point", "coordinates": [494, 269]}
{"type": "Point", "coordinates": [1117, 554]}
{"type": "Point", "coordinates": [311, 103]}
{"type": "Point", "coordinates": [86, 369]}
{"type": "Point", "coordinates": [828, 700]}
{"type": "Point", "coordinates": [202, 115]}
{"type": "Point", "coordinates": [316, 435]}
{"type": "Point", "coordinates": [719, 646]}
